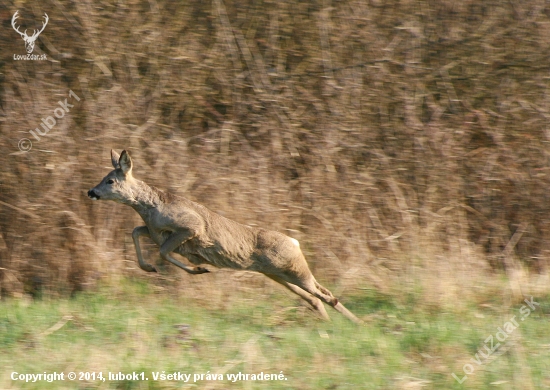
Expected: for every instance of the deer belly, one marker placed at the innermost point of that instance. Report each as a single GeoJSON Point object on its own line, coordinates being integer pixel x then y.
{"type": "Point", "coordinates": [220, 258]}
{"type": "Point", "coordinates": [201, 252]}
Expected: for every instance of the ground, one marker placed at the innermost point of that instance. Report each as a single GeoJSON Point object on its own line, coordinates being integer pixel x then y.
{"type": "Point", "coordinates": [134, 330]}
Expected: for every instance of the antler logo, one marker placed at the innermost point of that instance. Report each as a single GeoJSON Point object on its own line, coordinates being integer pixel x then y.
{"type": "Point", "coordinates": [29, 41]}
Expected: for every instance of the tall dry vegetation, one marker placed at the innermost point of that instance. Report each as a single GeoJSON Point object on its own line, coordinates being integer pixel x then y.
{"type": "Point", "coordinates": [400, 142]}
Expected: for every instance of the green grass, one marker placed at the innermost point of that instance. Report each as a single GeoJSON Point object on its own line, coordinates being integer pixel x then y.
{"type": "Point", "coordinates": [402, 345]}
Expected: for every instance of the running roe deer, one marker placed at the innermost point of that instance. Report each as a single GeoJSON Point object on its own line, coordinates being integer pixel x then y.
{"type": "Point", "coordinates": [179, 225]}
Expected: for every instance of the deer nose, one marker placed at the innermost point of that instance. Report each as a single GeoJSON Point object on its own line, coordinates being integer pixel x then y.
{"type": "Point", "coordinates": [93, 195]}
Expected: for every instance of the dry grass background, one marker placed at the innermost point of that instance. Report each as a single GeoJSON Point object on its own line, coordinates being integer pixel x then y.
{"type": "Point", "coordinates": [404, 143]}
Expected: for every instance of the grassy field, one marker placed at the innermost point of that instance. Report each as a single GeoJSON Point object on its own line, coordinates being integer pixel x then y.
{"type": "Point", "coordinates": [403, 344]}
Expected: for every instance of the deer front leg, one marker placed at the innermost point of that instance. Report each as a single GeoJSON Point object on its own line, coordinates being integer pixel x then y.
{"type": "Point", "coordinates": [142, 231]}
{"type": "Point", "coordinates": [174, 241]}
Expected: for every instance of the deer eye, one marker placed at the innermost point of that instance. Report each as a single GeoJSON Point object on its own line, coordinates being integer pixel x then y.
{"type": "Point", "coordinates": [110, 181]}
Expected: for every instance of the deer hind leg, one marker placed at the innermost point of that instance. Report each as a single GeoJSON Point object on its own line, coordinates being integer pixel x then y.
{"type": "Point", "coordinates": [314, 302]}
{"type": "Point", "coordinates": [309, 284]}
{"type": "Point", "coordinates": [336, 304]}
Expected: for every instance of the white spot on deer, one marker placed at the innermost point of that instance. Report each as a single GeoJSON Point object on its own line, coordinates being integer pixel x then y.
{"type": "Point", "coordinates": [295, 242]}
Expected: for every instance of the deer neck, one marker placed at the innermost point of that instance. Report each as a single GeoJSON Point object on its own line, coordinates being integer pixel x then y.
{"type": "Point", "coordinates": [143, 198]}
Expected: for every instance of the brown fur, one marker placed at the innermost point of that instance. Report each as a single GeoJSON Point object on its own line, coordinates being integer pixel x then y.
{"type": "Point", "coordinates": [179, 225]}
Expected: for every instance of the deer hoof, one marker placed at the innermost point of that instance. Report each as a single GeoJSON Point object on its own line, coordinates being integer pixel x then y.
{"type": "Point", "coordinates": [201, 270]}
{"type": "Point", "coordinates": [149, 268]}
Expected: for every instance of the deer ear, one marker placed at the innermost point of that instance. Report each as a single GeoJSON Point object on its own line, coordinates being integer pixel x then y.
{"type": "Point", "coordinates": [125, 163]}
{"type": "Point", "coordinates": [114, 158]}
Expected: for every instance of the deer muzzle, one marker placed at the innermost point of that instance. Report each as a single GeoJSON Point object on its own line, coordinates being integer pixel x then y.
{"type": "Point", "coordinates": [92, 194]}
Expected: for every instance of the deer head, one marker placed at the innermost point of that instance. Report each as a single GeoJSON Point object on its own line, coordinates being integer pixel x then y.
{"type": "Point", "coordinates": [29, 41]}
{"type": "Point", "coordinates": [119, 185]}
